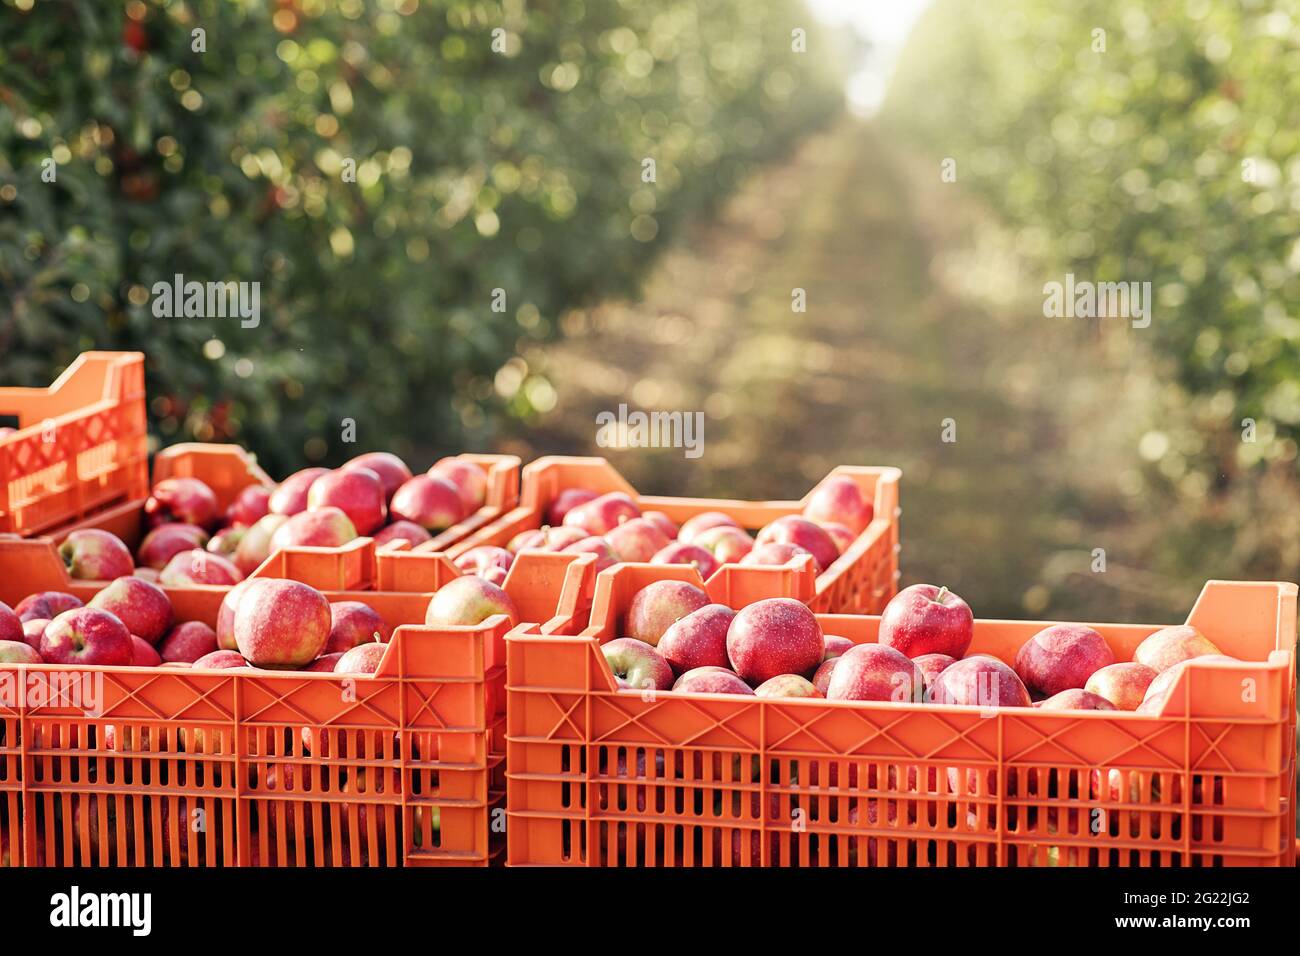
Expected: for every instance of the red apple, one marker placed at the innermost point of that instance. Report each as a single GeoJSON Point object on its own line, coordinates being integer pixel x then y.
{"type": "Point", "coordinates": [839, 500]}
{"type": "Point", "coordinates": [199, 567]}
{"type": "Point", "coordinates": [1172, 645]}
{"type": "Point", "coordinates": [470, 600]}
{"type": "Point", "coordinates": [118, 829]}
{"type": "Point", "coordinates": [980, 681]}
{"type": "Point", "coordinates": [712, 680]}
{"type": "Point", "coordinates": [1124, 685]}
{"type": "Point", "coordinates": [678, 553]}
{"type": "Point", "coordinates": [18, 652]}
{"type": "Point", "coordinates": [407, 531]}
{"type": "Point", "coordinates": [432, 503]}
{"type": "Point", "coordinates": [362, 659]}
{"type": "Point", "coordinates": [392, 471]}
{"type": "Point", "coordinates": [326, 527]}
{"type": "Point", "coordinates": [880, 851]}
{"type": "Point", "coordinates": [602, 515]}
{"type": "Point", "coordinates": [698, 640]}
{"type": "Point", "coordinates": [468, 478]}
{"type": "Point", "coordinates": [662, 522]}
{"type": "Point", "coordinates": [226, 541]}
{"type": "Point", "coordinates": [836, 646]}
{"type": "Point", "coordinates": [774, 636]}
{"type": "Point", "coordinates": [875, 672]}
{"type": "Point", "coordinates": [546, 539]}
{"type": "Point", "coordinates": [90, 554]}
{"type": "Point", "coordinates": [290, 496]}
{"type": "Point", "coordinates": [787, 685]}
{"type": "Point", "coordinates": [774, 554]}
{"type": "Point", "coordinates": [566, 501]}
{"type": "Point", "coordinates": [1158, 692]}
{"type": "Point", "coordinates": [703, 521]}
{"type": "Point", "coordinates": [605, 556]}
{"type": "Point", "coordinates": [822, 679]}
{"type": "Point", "coordinates": [226, 615]}
{"type": "Point", "coordinates": [1060, 657]}
{"type": "Point", "coordinates": [636, 540]}
{"type": "Point", "coordinates": [168, 540]}
{"type": "Point", "coordinates": [727, 543]}
{"type": "Point", "coordinates": [143, 607]}
{"type": "Point", "coordinates": [557, 539]}
{"type": "Point", "coordinates": [657, 606]}
{"type": "Point", "coordinates": [143, 653]}
{"type": "Point", "coordinates": [488, 562]}
{"type": "Point", "coordinates": [126, 739]}
{"type": "Point", "coordinates": [151, 575]}
{"type": "Point", "coordinates": [1115, 787]}
{"type": "Point", "coordinates": [533, 539]}
{"type": "Point", "coordinates": [637, 665]}
{"type": "Point", "coordinates": [33, 631]}
{"type": "Point", "coordinates": [931, 666]}
{"type": "Point", "coordinates": [622, 770]}
{"type": "Point", "coordinates": [187, 642]}
{"type": "Point", "coordinates": [803, 534]}
{"type": "Point", "coordinates": [87, 636]}
{"type": "Point", "coordinates": [362, 849]}
{"type": "Point", "coordinates": [353, 623]}
{"type": "Point", "coordinates": [11, 625]}
{"type": "Point", "coordinates": [88, 834]}
{"type": "Point", "coordinates": [1076, 699]}
{"type": "Point", "coordinates": [357, 492]}
{"type": "Point", "coordinates": [255, 546]}
{"type": "Point", "coordinates": [219, 660]}
{"type": "Point", "coordinates": [46, 605]}
{"type": "Point", "coordinates": [924, 619]}
{"type": "Point", "coordinates": [249, 506]}
{"type": "Point", "coordinates": [176, 830]}
{"type": "Point", "coordinates": [324, 664]}
{"type": "Point", "coordinates": [841, 535]}
{"type": "Point", "coordinates": [281, 624]}
{"type": "Point", "coordinates": [187, 500]}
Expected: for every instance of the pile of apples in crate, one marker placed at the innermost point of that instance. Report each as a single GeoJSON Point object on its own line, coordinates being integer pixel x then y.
{"type": "Point", "coordinates": [613, 527]}
{"type": "Point", "coordinates": [263, 622]}
{"type": "Point", "coordinates": [374, 494]}
{"type": "Point", "coordinates": [674, 639]}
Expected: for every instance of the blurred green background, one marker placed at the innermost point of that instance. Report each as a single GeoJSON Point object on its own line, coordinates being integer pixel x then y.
{"type": "Point", "coordinates": [1165, 148]}
{"type": "Point", "coordinates": [496, 146]}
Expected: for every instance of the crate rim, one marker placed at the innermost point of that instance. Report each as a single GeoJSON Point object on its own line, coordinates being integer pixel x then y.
{"type": "Point", "coordinates": [1279, 660]}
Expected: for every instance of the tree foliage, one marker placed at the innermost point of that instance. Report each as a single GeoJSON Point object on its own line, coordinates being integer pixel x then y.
{"type": "Point", "coordinates": [1144, 142]}
{"type": "Point", "coordinates": [496, 145]}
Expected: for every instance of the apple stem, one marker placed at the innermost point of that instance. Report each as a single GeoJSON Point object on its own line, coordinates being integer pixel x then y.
{"type": "Point", "coordinates": [943, 593]}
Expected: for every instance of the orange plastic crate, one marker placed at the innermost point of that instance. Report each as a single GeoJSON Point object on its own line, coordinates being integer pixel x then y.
{"type": "Point", "coordinates": [861, 581]}
{"type": "Point", "coordinates": [228, 469]}
{"type": "Point", "coordinates": [80, 443]}
{"type": "Point", "coordinates": [731, 584]}
{"type": "Point", "coordinates": [267, 768]}
{"type": "Point", "coordinates": [602, 777]}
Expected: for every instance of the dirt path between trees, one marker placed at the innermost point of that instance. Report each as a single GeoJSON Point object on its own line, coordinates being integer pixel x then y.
{"type": "Point", "coordinates": [916, 316]}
